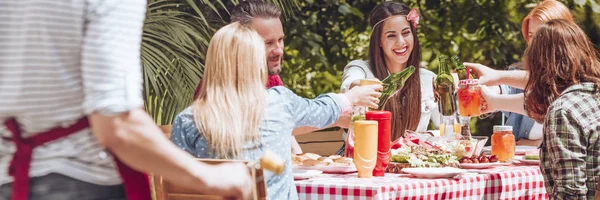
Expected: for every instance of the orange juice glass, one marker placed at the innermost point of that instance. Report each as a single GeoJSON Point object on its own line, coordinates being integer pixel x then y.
{"type": "Point", "coordinates": [503, 143]}
{"type": "Point", "coordinates": [365, 147]}
{"type": "Point", "coordinates": [442, 130]}
{"type": "Point", "coordinates": [364, 82]}
{"type": "Point", "coordinates": [448, 122]}
{"type": "Point", "coordinates": [469, 98]}
{"type": "Point", "coordinates": [455, 129]}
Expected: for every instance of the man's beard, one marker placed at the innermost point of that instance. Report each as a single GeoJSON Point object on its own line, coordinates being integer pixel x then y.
{"type": "Point", "coordinates": [275, 70]}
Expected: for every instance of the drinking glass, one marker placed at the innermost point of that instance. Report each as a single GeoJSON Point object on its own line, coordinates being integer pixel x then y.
{"type": "Point", "coordinates": [469, 98]}
{"type": "Point", "coordinates": [449, 127]}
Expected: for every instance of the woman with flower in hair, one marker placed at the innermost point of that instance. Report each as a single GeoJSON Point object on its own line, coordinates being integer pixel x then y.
{"type": "Point", "coordinates": [394, 46]}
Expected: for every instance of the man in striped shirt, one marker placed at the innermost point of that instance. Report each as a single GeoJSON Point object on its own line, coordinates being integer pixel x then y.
{"type": "Point", "coordinates": [63, 60]}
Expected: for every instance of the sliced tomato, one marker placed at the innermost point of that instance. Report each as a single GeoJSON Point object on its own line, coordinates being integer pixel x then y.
{"type": "Point", "coordinates": [396, 144]}
{"type": "Point", "coordinates": [415, 140]}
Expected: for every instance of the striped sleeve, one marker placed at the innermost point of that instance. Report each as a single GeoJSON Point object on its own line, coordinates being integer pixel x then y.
{"type": "Point", "coordinates": [111, 66]}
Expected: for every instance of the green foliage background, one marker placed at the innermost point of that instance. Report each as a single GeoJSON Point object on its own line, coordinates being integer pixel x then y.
{"type": "Point", "coordinates": [325, 35]}
{"type": "Point", "coordinates": [322, 36]}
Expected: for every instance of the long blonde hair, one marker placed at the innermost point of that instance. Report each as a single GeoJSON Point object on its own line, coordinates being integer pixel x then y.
{"type": "Point", "coordinates": [233, 97]}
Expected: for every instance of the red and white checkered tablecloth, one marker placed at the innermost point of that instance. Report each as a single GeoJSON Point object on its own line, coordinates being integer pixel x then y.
{"type": "Point", "coordinates": [509, 182]}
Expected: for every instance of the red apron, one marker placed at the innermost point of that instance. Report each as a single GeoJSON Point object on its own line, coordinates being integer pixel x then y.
{"type": "Point", "coordinates": [136, 184]}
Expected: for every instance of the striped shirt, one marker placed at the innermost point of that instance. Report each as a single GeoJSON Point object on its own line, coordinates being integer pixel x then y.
{"type": "Point", "coordinates": [61, 60]}
{"type": "Point", "coordinates": [570, 152]}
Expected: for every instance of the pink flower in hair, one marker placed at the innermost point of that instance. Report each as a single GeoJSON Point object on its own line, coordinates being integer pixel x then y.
{"type": "Point", "coordinates": [413, 17]}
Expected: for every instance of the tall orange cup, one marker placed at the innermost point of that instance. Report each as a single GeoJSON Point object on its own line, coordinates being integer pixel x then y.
{"type": "Point", "coordinates": [365, 147]}
{"type": "Point", "coordinates": [503, 143]}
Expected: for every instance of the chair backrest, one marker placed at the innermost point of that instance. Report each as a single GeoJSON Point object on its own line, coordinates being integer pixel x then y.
{"type": "Point", "coordinates": [165, 190]}
{"type": "Point", "coordinates": [322, 142]}
{"type": "Point", "coordinates": [166, 129]}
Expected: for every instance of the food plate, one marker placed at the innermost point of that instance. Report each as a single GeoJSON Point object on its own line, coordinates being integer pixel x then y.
{"type": "Point", "coordinates": [328, 169]}
{"type": "Point", "coordinates": [444, 172]}
{"type": "Point", "coordinates": [524, 161]}
{"type": "Point", "coordinates": [519, 150]}
{"type": "Point", "coordinates": [333, 164]}
{"type": "Point", "coordinates": [482, 165]}
{"type": "Point", "coordinates": [300, 174]}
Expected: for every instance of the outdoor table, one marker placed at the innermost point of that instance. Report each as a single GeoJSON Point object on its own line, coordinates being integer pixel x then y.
{"type": "Point", "coordinates": [504, 182]}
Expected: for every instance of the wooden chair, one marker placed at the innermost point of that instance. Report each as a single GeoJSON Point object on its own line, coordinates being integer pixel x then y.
{"type": "Point", "coordinates": [167, 191]}
{"type": "Point", "coordinates": [166, 129]}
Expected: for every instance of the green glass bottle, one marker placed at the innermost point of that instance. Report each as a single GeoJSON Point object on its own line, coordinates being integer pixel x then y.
{"type": "Point", "coordinates": [444, 89]}
{"type": "Point", "coordinates": [393, 83]}
{"type": "Point", "coordinates": [461, 70]}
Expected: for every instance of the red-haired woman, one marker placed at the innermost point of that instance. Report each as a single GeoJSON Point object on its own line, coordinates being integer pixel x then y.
{"type": "Point", "coordinates": [562, 91]}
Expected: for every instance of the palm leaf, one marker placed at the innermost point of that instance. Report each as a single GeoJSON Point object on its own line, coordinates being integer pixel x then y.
{"type": "Point", "coordinates": [174, 42]}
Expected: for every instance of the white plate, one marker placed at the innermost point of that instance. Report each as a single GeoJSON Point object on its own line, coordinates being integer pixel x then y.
{"type": "Point", "coordinates": [481, 165]}
{"type": "Point", "coordinates": [524, 161]}
{"type": "Point", "coordinates": [329, 169]}
{"type": "Point", "coordinates": [300, 174]}
{"type": "Point", "coordinates": [519, 150]}
{"type": "Point", "coordinates": [445, 172]}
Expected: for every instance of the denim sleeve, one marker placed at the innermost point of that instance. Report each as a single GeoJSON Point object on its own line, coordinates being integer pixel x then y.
{"type": "Point", "coordinates": [319, 112]}
{"type": "Point", "coordinates": [184, 132]}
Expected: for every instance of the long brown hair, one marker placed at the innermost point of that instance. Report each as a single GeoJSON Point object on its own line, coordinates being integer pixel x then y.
{"type": "Point", "coordinates": [406, 105]}
{"type": "Point", "coordinates": [560, 55]}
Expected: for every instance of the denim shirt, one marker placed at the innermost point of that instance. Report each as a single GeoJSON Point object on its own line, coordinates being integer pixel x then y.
{"type": "Point", "coordinates": [285, 111]}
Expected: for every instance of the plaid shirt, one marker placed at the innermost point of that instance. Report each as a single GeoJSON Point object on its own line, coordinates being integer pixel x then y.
{"type": "Point", "coordinates": [570, 153]}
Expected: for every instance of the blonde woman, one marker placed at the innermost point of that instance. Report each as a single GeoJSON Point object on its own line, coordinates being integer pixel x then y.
{"type": "Point", "coordinates": [235, 117]}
